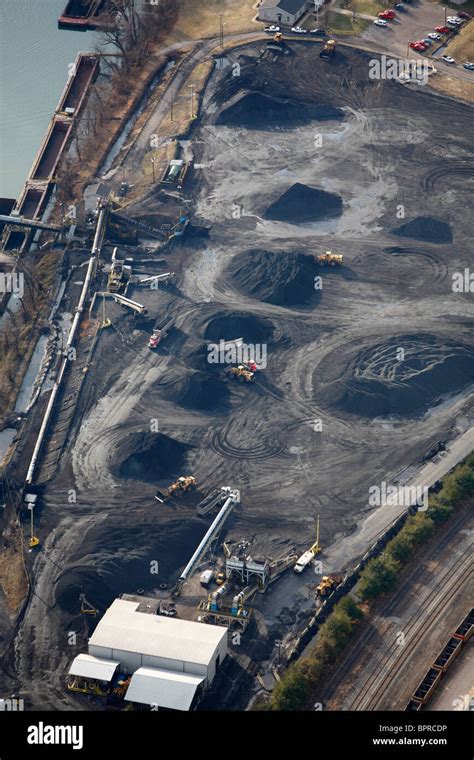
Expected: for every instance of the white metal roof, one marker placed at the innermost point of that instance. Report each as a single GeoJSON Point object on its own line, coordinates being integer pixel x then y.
{"type": "Point", "coordinates": [122, 627]}
{"type": "Point", "coordinates": [93, 667]}
{"type": "Point", "coordinates": [150, 686]}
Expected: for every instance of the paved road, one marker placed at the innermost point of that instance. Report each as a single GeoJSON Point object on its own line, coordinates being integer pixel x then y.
{"type": "Point", "coordinates": [340, 555]}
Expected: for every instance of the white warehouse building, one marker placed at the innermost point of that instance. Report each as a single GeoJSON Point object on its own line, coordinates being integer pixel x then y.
{"type": "Point", "coordinates": [286, 12]}
{"type": "Point", "coordinates": [171, 661]}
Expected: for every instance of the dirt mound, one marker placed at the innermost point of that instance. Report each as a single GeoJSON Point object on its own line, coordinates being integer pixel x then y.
{"type": "Point", "coordinates": [405, 376]}
{"type": "Point", "coordinates": [304, 204]}
{"type": "Point", "coordinates": [115, 558]}
{"type": "Point", "coordinates": [283, 279]}
{"type": "Point", "coordinates": [425, 228]}
{"type": "Point", "coordinates": [255, 110]}
{"type": "Point", "coordinates": [230, 325]}
{"type": "Point", "coordinates": [150, 457]}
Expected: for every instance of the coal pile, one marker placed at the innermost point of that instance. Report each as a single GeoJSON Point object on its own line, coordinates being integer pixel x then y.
{"type": "Point", "coordinates": [205, 393]}
{"type": "Point", "coordinates": [150, 457]}
{"type": "Point", "coordinates": [282, 279]}
{"type": "Point", "coordinates": [255, 110]}
{"type": "Point", "coordinates": [114, 558]}
{"type": "Point", "coordinates": [380, 384]}
{"type": "Point", "coordinates": [231, 325]}
{"type": "Point", "coordinates": [427, 229]}
{"type": "Point", "coordinates": [302, 203]}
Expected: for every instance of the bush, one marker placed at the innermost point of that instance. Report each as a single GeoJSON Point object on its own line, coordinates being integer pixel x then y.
{"type": "Point", "coordinates": [379, 577]}
{"type": "Point", "coordinates": [292, 693]}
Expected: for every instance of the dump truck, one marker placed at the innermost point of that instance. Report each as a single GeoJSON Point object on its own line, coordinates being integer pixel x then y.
{"type": "Point", "coordinates": [328, 50]}
{"type": "Point", "coordinates": [329, 258]}
{"type": "Point", "coordinates": [184, 484]}
{"type": "Point", "coordinates": [328, 583]}
{"type": "Point", "coordinates": [241, 373]}
{"type": "Point", "coordinates": [160, 331]}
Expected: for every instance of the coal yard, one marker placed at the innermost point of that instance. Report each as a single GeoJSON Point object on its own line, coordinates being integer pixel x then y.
{"type": "Point", "coordinates": [361, 367]}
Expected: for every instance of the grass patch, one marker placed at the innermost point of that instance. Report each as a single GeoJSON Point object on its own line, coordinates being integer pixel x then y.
{"type": "Point", "coordinates": [340, 24]}
{"type": "Point", "coordinates": [197, 19]}
{"type": "Point", "coordinates": [462, 45]}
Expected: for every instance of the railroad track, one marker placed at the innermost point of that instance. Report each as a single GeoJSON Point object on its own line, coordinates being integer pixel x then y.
{"type": "Point", "coordinates": [372, 688]}
{"type": "Point", "coordinates": [346, 666]}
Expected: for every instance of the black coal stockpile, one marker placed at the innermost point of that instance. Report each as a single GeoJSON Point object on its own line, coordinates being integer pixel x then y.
{"type": "Point", "coordinates": [382, 386]}
{"type": "Point", "coordinates": [205, 393]}
{"type": "Point", "coordinates": [258, 111]}
{"type": "Point", "coordinates": [114, 558]}
{"type": "Point", "coordinates": [304, 204]}
{"type": "Point", "coordinates": [150, 457]}
{"type": "Point", "coordinates": [282, 279]}
{"type": "Point", "coordinates": [232, 325]}
{"type": "Point", "coordinates": [425, 228]}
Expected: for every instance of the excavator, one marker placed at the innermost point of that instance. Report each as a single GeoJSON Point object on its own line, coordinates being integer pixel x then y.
{"type": "Point", "coordinates": [329, 258]}
{"type": "Point", "coordinates": [184, 484]}
{"type": "Point", "coordinates": [241, 373]}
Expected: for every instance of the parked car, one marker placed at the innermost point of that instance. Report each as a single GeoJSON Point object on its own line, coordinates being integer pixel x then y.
{"type": "Point", "coordinates": [468, 66]}
{"type": "Point", "coordinates": [434, 36]}
{"type": "Point", "coordinates": [380, 22]}
{"type": "Point", "coordinates": [400, 7]}
{"type": "Point", "coordinates": [442, 29]}
{"type": "Point", "coordinates": [387, 15]}
{"type": "Point", "coordinates": [427, 42]}
{"type": "Point", "coordinates": [319, 32]}
{"type": "Point", "coordinates": [298, 30]}
{"type": "Point", "coordinates": [448, 59]}
{"type": "Point", "coordinates": [418, 46]}
{"type": "Point", "coordinates": [272, 28]}
{"type": "Point", "coordinates": [463, 14]}
{"type": "Point", "coordinates": [454, 20]}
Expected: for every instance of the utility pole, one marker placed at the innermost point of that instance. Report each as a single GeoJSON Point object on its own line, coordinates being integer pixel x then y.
{"type": "Point", "coordinates": [221, 30]}
{"type": "Point", "coordinates": [153, 167]}
{"type": "Point", "coordinates": [191, 87]}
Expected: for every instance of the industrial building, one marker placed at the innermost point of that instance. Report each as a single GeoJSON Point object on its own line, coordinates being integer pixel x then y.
{"type": "Point", "coordinates": [165, 662]}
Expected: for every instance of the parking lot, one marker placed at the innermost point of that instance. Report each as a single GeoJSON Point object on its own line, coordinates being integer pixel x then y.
{"type": "Point", "coordinates": [420, 19]}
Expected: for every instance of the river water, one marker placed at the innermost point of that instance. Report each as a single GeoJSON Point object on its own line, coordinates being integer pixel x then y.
{"type": "Point", "coordinates": [34, 59]}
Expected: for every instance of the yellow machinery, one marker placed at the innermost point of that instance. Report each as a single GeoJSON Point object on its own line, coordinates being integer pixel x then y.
{"type": "Point", "coordinates": [328, 584]}
{"type": "Point", "coordinates": [105, 320]}
{"type": "Point", "coordinates": [241, 373]}
{"type": "Point", "coordinates": [34, 541]}
{"type": "Point", "coordinates": [184, 484]}
{"type": "Point", "coordinates": [277, 37]}
{"type": "Point", "coordinates": [328, 49]}
{"type": "Point", "coordinates": [330, 258]}
{"type": "Point", "coordinates": [220, 578]}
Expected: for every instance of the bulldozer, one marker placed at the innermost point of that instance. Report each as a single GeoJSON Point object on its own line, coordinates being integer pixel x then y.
{"type": "Point", "coordinates": [328, 50]}
{"type": "Point", "coordinates": [328, 584]}
{"type": "Point", "coordinates": [329, 258]}
{"type": "Point", "coordinates": [241, 373]}
{"type": "Point", "coordinates": [184, 484]}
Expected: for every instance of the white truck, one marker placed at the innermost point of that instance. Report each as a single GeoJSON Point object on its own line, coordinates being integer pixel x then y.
{"type": "Point", "coordinates": [303, 561]}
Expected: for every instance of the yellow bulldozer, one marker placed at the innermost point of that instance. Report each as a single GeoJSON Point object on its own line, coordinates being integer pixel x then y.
{"type": "Point", "coordinates": [328, 584]}
{"type": "Point", "coordinates": [329, 258]}
{"type": "Point", "coordinates": [184, 484]}
{"type": "Point", "coordinates": [241, 373]}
